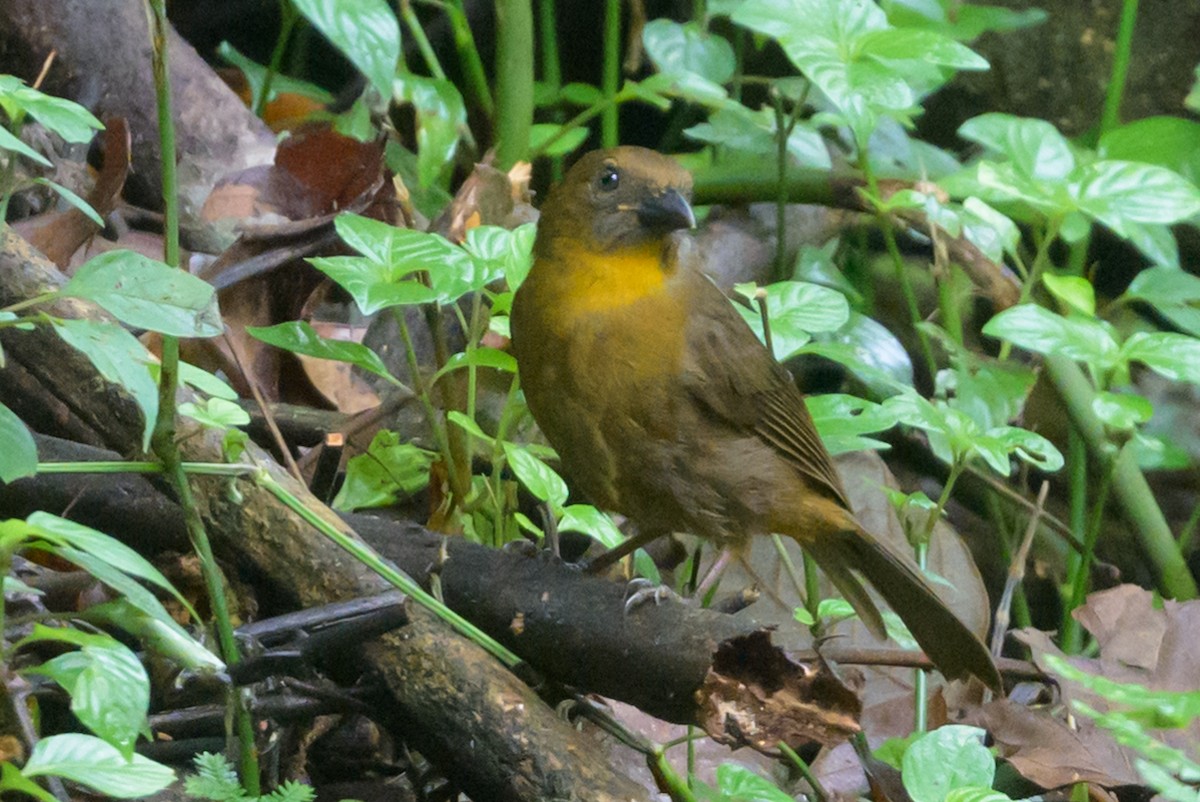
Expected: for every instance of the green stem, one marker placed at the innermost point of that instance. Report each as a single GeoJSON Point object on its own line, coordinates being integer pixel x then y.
{"type": "Point", "coordinates": [514, 80]}
{"type": "Point", "coordinates": [1071, 637]}
{"type": "Point", "coordinates": [1072, 640]}
{"type": "Point", "coordinates": [812, 594]}
{"type": "Point", "coordinates": [1111, 117]}
{"type": "Point", "coordinates": [1130, 487]}
{"type": "Point", "coordinates": [611, 78]}
{"type": "Point", "coordinates": [475, 77]}
{"type": "Point", "coordinates": [288, 16]}
{"type": "Point", "coordinates": [901, 269]}
{"type": "Point", "coordinates": [418, 34]}
{"type": "Point", "coordinates": [45, 297]}
{"type": "Point", "coordinates": [369, 558]}
{"type": "Point", "coordinates": [198, 468]}
{"type": "Point", "coordinates": [819, 792]}
{"type": "Point", "coordinates": [551, 68]}
{"type": "Point", "coordinates": [579, 119]}
{"type": "Point", "coordinates": [436, 424]}
{"type": "Point", "coordinates": [163, 440]}
{"type": "Point", "coordinates": [1041, 260]}
{"type": "Point", "coordinates": [920, 678]}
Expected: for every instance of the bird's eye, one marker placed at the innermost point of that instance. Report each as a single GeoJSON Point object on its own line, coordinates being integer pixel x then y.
{"type": "Point", "coordinates": [609, 179]}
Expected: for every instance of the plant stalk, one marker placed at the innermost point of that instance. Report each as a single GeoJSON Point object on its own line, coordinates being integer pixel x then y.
{"type": "Point", "coordinates": [1130, 488]}
{"type": "Point", "coordinates": [514, 80]}
{"type": "Point", "coordinates": [1110, 118]}
{"type": "Point", "coordinates": [611, 78]}
{"type": "Point", "coordinates": [163, 438]}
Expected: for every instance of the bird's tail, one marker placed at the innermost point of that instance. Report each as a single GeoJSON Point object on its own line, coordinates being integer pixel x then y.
{"type": "Point", "coordinates": [950, 645]}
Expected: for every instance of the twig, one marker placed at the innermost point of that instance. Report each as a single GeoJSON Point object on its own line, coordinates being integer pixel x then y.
{"type": "Point", "coordinates": [1016, 573]}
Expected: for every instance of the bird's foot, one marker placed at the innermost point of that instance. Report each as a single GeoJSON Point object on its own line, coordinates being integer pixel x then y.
{"type": "Point", "coordinates": [640, 591]}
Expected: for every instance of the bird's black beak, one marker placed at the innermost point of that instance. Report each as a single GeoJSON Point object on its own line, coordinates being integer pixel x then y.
{"type": "Point", "coordinates": [666, 212]}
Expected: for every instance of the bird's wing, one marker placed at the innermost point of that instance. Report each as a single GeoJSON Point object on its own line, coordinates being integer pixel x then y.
{"type": "Point", "coordinates": [736, 380]}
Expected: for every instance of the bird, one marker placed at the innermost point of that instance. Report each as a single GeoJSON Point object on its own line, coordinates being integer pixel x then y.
{"type": "Point", "coordinates": [664, 406]}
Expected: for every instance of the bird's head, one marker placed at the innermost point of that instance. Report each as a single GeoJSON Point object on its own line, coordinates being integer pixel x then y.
{"type": "Point", "coordinates": [619, 198]}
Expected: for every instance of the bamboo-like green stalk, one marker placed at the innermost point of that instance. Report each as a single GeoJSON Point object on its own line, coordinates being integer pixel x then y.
{"type": "Point", "coordinates": [514, 80]}
{"type": "Point", "coordinates": [474, 76]}
{"type": "Point", "coordinates": [611, 78]}
{"type": "Point", "coordinates": [163, 440]}
{"type": "Point", "coordinates": [551, 68]}
{"type": "Point", "coordinates": [1122, 52]}
{"type": "Point", "coordinates": [1129, 486]}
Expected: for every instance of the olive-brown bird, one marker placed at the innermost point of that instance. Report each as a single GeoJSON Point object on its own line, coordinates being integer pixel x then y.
{"type": "Point", "coordinates": [665, 407]}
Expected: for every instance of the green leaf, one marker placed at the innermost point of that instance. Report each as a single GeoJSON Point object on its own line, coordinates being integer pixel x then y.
{"type": "Point", "coordinates": [967, 22]}
{"type": "Point", "coordinates": [976, 793]}
{"type": "Point", "coordinates": [795, 308]}
{"type": "Point", "coordinates": [256, 74]}
{"type": "Point", "coordinates": [18, 452]}
{"type": "Point", "coordinates": [542, 133]}
{"type": "Point", "coordinates": [1029, 446]}
{"type": "Point", "coordinates": [215, 412]}
{"type": "Point", "coordinates": [148, 294]}
{"type": "Point", "coordinates": [109, 550]}
{"type": "Point", "coordinates": [441, 118]}
{"type": "Point", "coordinates": [538, 477]}
{"type": "Point", "coordinates": [109, 689]}
{"type": "Point", "coordinates": [823, 40]}
{"type": "Point", "coordinates": [1042, 331]}
{"type": "Point", "coordinates": [205, 382]}
{"type": "Point", "coordinates": [1074, 291]}
{"type": "Point", "coordinates": [389, 470]}
{"type": "Point", "coordinates": [739, 784]}
{"type": "Point", "coordinates": [1116, 192]}
{"type": "Point", "coordinates": [503, 252]}
{"type": "Point", "coordinates": [11, 143]}
{"type": "Point", "coordinates": [841, 421]}
{"type": "Point", "coordinates": [91, 762]}
{"type": "Point", "coordinates": [1123, 412]}
{"type": "Point", "coordinates": [1176, 356]}
{"type": "Point", "coordinates": [992, 232]}
{"type": "Point", "coordinates": [68, 119]}
{"type": "Point", "coordinates": [952, 756]}
{"type": "Point", "coordinates": [13, 782]}
{"type": "Point", "coordinates": [597, 524]}
{"type": "Point", "coordinates": [468, 425]}
{"type": "Point", "coordinates": [749, 132]}
{"type": "Point", "coordinates": [481, 357]}
{"type": "Point", "coordinates": [370, 284]}
{"type": "Point", "coordinates": [1170, 142]}
{"type": "Point", "coordinates": [119, 358]}
{"type": "Point", "coordinates": [1035, 147]}
{"type": "Point", "coordinates": [900, 44]}
{"type": "Point", "coordinates": [396, 252]}
{"type": "Point", "coordinates": [299, 337]}
{"type": "Point", "coordinates": [1173, 293]}
{"type": "Point", "coordinates": [163, 637]}
{"type": "Point", "coordinates": [73, 199]}
{"type": "Point", "coordinates": [366, 31]}
{"type": "Point", "coordinates": [581, 94]}
{"type": "Point", "coordinates": [1155, 240]}
{"type": "Point", "coordinates": [687, 48]}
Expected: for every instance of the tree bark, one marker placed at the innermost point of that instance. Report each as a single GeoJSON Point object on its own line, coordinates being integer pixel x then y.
{"type": "Point", "coordinates": [534, 756]}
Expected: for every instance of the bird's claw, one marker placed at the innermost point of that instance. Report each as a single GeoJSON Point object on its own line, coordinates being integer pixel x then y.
{"type": "Point", "coordinates": [639, 591]}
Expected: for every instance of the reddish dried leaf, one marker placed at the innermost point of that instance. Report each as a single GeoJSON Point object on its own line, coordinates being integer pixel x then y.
{"type": "Point", "coordinates": [60, 234]}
